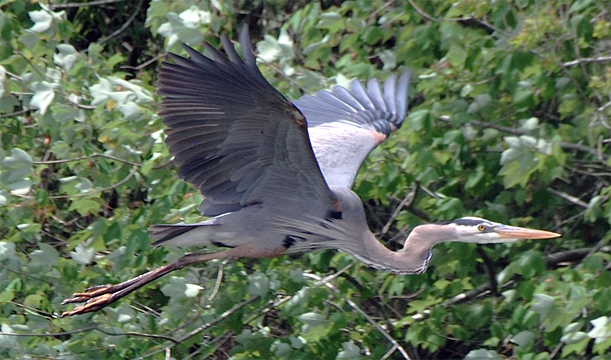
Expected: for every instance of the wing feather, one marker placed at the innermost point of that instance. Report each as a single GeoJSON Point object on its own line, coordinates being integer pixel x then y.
{"type": "Point", "coordinates": [346, 124]}
{"type": "Point", "coordinates": [235, 137]}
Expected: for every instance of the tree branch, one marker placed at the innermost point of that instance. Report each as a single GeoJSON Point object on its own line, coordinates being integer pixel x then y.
{"type": "Point", "coordinates": [49, 162]}
{"type": "Point", "coordinates": [569, 198]}
{"type": "Point", "coordinates": [407, 200]}
{"type": "Point", "coordinates": [587, 60]}
{"type": "Point", "coordinates": [91, 3]}
{"type": "Point", "coordinates": [124, 26]}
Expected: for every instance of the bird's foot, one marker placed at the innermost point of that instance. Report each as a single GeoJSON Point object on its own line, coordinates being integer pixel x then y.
{"type": "Point", "coordinates": [98, 297]}
{"type": "Point", "coordinates": [95, 298]}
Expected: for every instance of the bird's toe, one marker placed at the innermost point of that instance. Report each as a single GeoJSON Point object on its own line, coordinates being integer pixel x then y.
{"type": "Point", "coordinates": [92, 304]}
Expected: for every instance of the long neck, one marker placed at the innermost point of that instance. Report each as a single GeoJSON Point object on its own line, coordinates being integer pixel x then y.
{"type": "Point", "coordinates": [353, 236]}
{"type": "Point", "coordinates": [412, 260]}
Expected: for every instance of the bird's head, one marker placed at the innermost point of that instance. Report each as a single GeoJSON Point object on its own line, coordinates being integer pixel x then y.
{"type": "Point", "coordinates": [482, 231]}
{"type": "Point", "coordinates": [417, 249]}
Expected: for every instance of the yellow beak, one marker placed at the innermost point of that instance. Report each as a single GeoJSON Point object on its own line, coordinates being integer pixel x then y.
{"type": "Point", "coordinates": [514, 232]}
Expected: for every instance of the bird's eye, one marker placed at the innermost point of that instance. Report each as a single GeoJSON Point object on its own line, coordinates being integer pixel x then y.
{"type": "Point", "coordinates": [481, 227]}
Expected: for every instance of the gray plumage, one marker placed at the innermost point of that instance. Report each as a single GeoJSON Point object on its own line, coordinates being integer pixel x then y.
{"type": "Point", "coordinates": [259, 165]}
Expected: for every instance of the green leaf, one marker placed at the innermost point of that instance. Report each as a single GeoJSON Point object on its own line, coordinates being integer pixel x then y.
{"type": "Point", "coordinates": [523, 338]}
{"type": "Point", "coordinates": [574, 345]}
{"type": "Point", "coordinates": [175, 289]}
{"type": "Point", "coordinates": [42, 20]}
{"type": "Point", "coordinates": [258, 284]}
{"type": "Point", "coordinates": [543, 303]}
{"type": "Point", "coordinates": [18, 159]}
{"type": "Point", "coordinates": [529, 264]}
{"type": "Point", "coordinates": [7, 341]}
{"type": "Point", "coordinates": [417, 118]}
{"type": "Point", "coordinates": [270, 49]}
{"type": "Point", "coordinates": [85, 206]}
{"type": "Point", "coordinates": [312, 318]}
{"type": "Point", "coordinates": [193, 290]}
{"type": "Point", "coordinates": [571, 335]}
{"type": "Point", "coordinates": [457, 56]}
{"type": "Point", "coordinates": [193, 17]}
{"type": "Point", "coordinates": [46, 255]}
{"type": "Point", "coordinates": [178, 29]}
{"type": "Point", "coordinates": [82, 255]}
{"type": "Point", "coordinates": [601, 329]}
{"type": "Point", "coordinates": [7, 295]}
{"type": "Point", "coordinates": [483, 354]}
{"type": "Point", "coordinates": [44, 93]}
{"type": "Point", "coordinates": [66, 57]}
{"type": "Point", "coordinates": [331, 21]}
{"type": "Point", "coordinates": [351, 351]}
{"type": "Point", "coordinates": [6, 250]}
{"type": "Point", "coordinates": [579, 5]}
{"type": "Point", "coordinates": [389, 59]}
{"type": "Point", "coordinates": [480, 103]}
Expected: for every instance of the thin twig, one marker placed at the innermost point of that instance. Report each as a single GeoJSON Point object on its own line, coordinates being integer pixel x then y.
{"type": "Point", "coordinates": [81, 106]}
{"type": "Point", "coordinates": [603, 107]}
{"type": "Point", "coordinates": [64, 333]}
{"type": "Point", "coordinates": [431, 193]}
{"type": "Point", "coordinates": [14, 76]}
{"type": "Point", "coordinates": [92, 3]}
{"type": "Point", "coordinates": [378, 10]}
{"type": "Point", "coordinates": [374, 303]}
{"type": "Point", "coordinates": [409, 197]}
{"type": "Point", "coordinates": [281, 73]}
{"type": "Point", "coordinates": [556, 349]}
{"type": "Point", "coordinates": [220, 318]}
{"type": "Point", "coordinates": [32, 310]}
{"type": "Point", "coordinates": [25, 110]}
{"type": "Point", "coordinates": [569, 198]}
{"type": "Point", "coordinates": [217, 342]}
{"type": "Point", "coordinates": [49, 162]}
{"type": "Point", "coordinates": [587, 60]}
{"type": "Point", "coordinates": [90, 193]}
{"type": "Point", "coordinates": [124, 26]}
{"type": "Point", "coordinates": [219, 279]}
{"type": "Point", "coordinates": [132, 333]}
{"type": "Point", "coordinates": [27, 275]}
{"type": "Point", "coordinates": [489, 266]}
{"type": "Point", "coordinates": [389, 352]}
{"type": "Point", "coordinates": [144, 64]}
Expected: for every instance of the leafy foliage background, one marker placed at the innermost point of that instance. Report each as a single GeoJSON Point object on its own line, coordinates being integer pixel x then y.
{"type": "Point", "coordinates": [509, 121]}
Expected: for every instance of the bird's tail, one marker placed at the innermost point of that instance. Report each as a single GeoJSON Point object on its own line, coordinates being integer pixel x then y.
{"type": "Point", "coordinates": [176, 235]}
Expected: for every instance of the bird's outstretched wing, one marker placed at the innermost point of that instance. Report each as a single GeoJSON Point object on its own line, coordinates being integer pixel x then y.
{"type": "Point", "coordinates": [235, 137]}
{"type": "Point", "coordinates": [345, 125]}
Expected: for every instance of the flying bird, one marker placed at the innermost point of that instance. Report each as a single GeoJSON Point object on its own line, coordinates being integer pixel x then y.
{"type": "Point", "coordinates": [276, 176]}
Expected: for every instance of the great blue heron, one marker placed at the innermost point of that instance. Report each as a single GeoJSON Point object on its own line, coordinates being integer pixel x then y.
{"type": "Point", "coordinates": [251, 154]}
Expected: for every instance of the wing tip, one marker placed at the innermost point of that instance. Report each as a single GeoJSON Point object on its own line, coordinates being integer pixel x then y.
{"type": "Point", "coordinates": [363, 106]}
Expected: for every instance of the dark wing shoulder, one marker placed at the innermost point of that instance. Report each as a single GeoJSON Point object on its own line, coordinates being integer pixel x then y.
{"type": "Point", "coordinates": [233, 136]}
{"type": "Point", "coordinates": [346, 124]}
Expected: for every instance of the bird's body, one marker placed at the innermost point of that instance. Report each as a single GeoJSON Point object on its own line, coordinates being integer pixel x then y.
{"type": "Point", "coordinates": [276, 176]}
{"type": "Point", "coordinates": [271, 232]}
{"type": "Point", "coordinates": [266, 165]}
